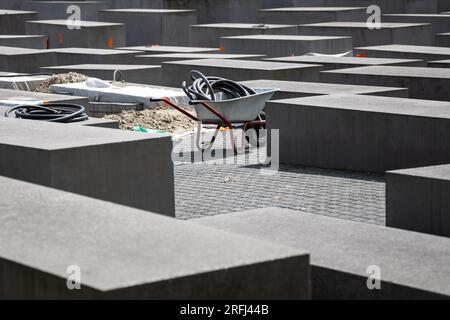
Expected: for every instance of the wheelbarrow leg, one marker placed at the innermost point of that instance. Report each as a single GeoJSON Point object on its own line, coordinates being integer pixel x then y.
{"type": "Point", "coordinates": [244, 143]}
{"type": "Point", "coordinates": [199, 138]}
{"type": "Point", "coordinates": [241, 149]}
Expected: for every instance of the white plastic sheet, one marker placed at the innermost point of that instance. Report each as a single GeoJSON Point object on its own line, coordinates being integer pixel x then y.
{"type": "Point", "coordinates": [101, 91]}
{"type": "Point", "coordinates": [26, 83]}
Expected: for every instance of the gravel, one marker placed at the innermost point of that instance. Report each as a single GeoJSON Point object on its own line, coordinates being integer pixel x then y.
{"type": "Point", "coordinates": [160, 118]}
{"type": "Point", "coordinates": [71, 77]}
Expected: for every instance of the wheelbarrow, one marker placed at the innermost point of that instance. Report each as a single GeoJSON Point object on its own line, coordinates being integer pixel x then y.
{"type": "Point", "coordinates": [243, 112]}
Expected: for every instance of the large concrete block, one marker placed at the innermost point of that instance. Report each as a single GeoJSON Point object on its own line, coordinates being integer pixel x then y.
{"type": "Point", "coordinates": [158, 59]}
{"type": "Point", "coordinates": [50, 10]}
{"type": "Point", "coordinates": [361, 133]}
{"type": "Point", "coordinates": [417, 199]}
{"type": "Point", "coordinates": [281, 46]}
{"type": "Point", "coordinates": [124, 253]}
{"type": "Point", "coordinates": [156, 49]}
{"type": "Point", "coordinates": [90, 34]}
{"type": "Point", "coordinates": [145, 74]}
{"type": "Point", "coordinates": [98, 123]}
{"type": "Point", "coordinates": [443, 5]}
{"type": "Point", "coordinates": [438, 22]}
{"type": "Point", "coordinates": [39, 97]}
{"type": "Point", "coordinates": [210, 10]}
{"type": "Point", "coordinates": [175, 72]}
{"type": "Point", "coordinates": [80, 159]}
{"type": "Point", "coordinates": [25, 60]}
{"type": "Point", "coordinates": [295, 89]}
{"type": "Point", "coordinates": [102, 109]}
{"type": "Point", "coordinates": [405, 52]}
{"type": "Point", "coordinates": [23, 41]}
{"type": "Point", "coordinates": [389, 33]}
{"type": "Point", "coordinates": [12, 4]}
{"type": "Point", "coordinates": [333, 62]}
{"type": "Point", "coordinates": [13, 21]}
{"type": "Point", "coordinates": [423, 83]}
{"type": "Point", "coordinates": [153, 26]}
{"type": "Point", "coordinates": [443, 39]}
{"type": "Point", "coordinates": [302, 15]}
{"type": "Point", "coordinates": [344, 254]}
{"type": "Point", "coordinates": [387, 6]}
{"type": "Point", "coordinates": [439, 64]}
{"type": "Point", "coordinates": [21, 81]}
{"type": "Point", "coordinates": [209, 34]}
{"type": "Point", "coordinates": [70, 56]}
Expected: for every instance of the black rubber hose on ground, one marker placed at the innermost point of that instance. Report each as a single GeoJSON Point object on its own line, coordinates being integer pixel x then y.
{"type": "Point", "coordinates": [52, 112]}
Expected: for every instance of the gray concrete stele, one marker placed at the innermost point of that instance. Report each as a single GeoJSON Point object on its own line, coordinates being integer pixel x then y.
{"type": "Point", "coordinates": [286, 45]}
{"type": "Point", "coordinates": [88, 34]}
{"type": "Point", "coordinates": [423, 83]}
{"type": "Point", "coordinates": [298, 89]}
{"type": "Point", "coordinates": [361, 133]}
{"type": "Point", "coordinates": [53, 240]}
{"type": "Point", "coordinates": [114, 165]}
{"type": "Point", "coordinates": [209, 35]}
{"type": "Point", "coordinates": [347, 256]}
{"type": "Point", "coordinates": [417, 199]}
{"type": "Point", "coordinates": [153, 26]}
{"type": "Point", "coordinates": [25, 60]}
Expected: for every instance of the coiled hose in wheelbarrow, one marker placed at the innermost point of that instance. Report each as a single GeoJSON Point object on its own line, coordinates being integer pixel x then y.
{"type": "Point", "coordinates": [51, 112]}
{"type": "Point", "coordinates": [206, 88]}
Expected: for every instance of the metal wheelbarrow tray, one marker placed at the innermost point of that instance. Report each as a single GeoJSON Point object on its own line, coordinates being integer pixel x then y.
{"type": "Point", "coordinates": [233, 113]}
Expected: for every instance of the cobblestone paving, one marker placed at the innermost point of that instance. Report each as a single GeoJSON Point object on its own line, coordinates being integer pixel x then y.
{"type": "Point", "coordinates": [211, 188]}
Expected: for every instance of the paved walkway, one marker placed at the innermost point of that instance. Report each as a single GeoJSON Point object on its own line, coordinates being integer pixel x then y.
{"type": "Point", "coordinates": [215, 187]}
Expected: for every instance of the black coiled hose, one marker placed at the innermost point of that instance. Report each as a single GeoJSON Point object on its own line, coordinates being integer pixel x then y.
{"type": "Point", "coordinates": [52, 112]}
{"type": "Point", "coordinates": [206, 88]}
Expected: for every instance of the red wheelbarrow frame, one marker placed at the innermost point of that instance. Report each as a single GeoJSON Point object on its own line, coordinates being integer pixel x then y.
{"type": "Point", "coordinates": [222, 123]}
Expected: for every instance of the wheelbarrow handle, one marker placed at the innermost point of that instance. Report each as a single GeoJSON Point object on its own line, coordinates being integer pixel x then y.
{"type": "Point", "coordinates": [167, 102]}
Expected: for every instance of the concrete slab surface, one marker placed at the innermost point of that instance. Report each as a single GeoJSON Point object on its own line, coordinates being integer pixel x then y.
{"type": "Point", "coordinates": [153, 26]}
{"type": "Point", "coordinates": [75, 55]}
{"type": "Point", "coordinates": [443, 39]}
{"type": "Point", "coordinates": [175, 72]}
{"type": "Point", "coordinates": [296, 89]}
{"type": "Point", "coordinates": [89, 34]}
{"type": "Point", "coordinates": [158, 49]}
{"type": "Point", "coordinates": [412, 265]}
{"type": "Point", "coordinates": [80, 159]}
{"type": "Point", "coordinates": [439, 64]}
{"type": "Point", "coordinates": [13, 21]}
{"type": "Point", "coordinates": [332, 62]}
{"type": "Point", "coordinates": [361, 133]}
{"type": "Point", "coordinates": [24, 60]}
{"type": "Point", "coordinates": [209, 35]}
{"type": "Point", "coordinates": [405, 52]}
{"type": "Point", "coordinates": [137, 254]}
{"type": "Point", "coordinates": [416, 200]}
{"type": "Point", "coordinates": [423, 83]}
{"type": "Point", "coordinates": [298, 15]}
{"type": "Point", "coordinates": [388, 33]}
{"type": "Point", "coordinates": [23, 41]}
{"type": "Point", "coordinates": [145, 74]}
{"type": "Point", "coordinates": [286, 45]}
{"type": "Point", "coordinates": [158, 59]}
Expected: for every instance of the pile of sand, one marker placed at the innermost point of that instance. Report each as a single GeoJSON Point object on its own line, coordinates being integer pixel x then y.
{"type": "Point", "coordinates": [71, 77]}
{"type": "Point", "coordinates": [160, 118]}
